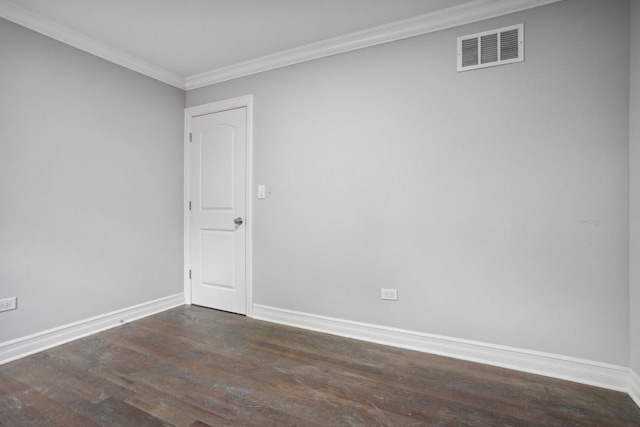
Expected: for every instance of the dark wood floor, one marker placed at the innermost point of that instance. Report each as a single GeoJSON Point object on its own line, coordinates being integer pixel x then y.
{"type": "Point", "coordinates": [197, 367]}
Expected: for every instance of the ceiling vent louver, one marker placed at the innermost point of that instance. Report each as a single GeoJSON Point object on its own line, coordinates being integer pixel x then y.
{"type": "Point", "coordinates": [491, 48]}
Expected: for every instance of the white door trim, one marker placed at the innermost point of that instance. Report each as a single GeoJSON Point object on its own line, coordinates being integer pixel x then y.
{"type": "Point", "coordinates": [189, 114]}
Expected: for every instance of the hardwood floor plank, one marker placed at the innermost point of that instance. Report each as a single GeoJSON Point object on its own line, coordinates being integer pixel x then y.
{"type": "Point", "coordinates": [195, 367]}
{"type": "Point", "coordinates": [329, 362]}
{"type": "Point", "coordinates": [115, 412]}
{"type": "Point", "coordinates": [51, 371]}
{"type": "Point", "coordinates": [30, 406]}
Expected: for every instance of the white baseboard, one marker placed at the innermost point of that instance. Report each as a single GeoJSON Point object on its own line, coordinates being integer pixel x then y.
{"type": "Point", "coordinates": [567, 368]}
{"type": "Point", "coordinates": [634, 387]}
{"type": "Point", "coordinates": [25, 346]}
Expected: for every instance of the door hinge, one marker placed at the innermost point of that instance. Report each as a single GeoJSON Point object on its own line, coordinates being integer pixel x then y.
{"type": "Point", "coordinates": [189, 274]}
{"type": "Point", "coordinates": [189, 205]}
{"type": "Point", "coordinates": [190, 137]}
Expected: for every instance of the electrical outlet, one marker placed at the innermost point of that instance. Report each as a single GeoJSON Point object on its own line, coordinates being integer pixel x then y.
{"type": "Point", "coordinates": [390, 294]}
{"type": "Point", "coordinates": [8, 304]}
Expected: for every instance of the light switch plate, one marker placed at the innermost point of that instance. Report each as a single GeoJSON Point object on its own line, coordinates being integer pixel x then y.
{"type": "Point", "coordinates": [262, 191]}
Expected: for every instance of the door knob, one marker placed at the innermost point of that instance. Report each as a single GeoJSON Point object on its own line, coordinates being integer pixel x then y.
{"type": "Point", "coordinates": [238, 221]}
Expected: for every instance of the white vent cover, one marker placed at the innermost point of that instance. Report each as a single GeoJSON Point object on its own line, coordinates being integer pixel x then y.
{"type": "Point", "coordinates": [491, 48]}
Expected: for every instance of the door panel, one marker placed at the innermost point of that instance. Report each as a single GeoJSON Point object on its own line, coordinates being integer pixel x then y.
{"type": "Point", "coordinates": [218, 248]}
{"type": "Point", "coordinates": [217, 192]}
{"type": "Point", "coordinates": [216, 163]}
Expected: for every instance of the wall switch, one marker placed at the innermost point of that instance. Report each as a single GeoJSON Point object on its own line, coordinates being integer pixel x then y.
{"type": "Point", "coordinates": [262, 191]}
{"type": "Point", "coordinates": [390, 294]}
{"type": "Point", "coordinates": [8, 304]}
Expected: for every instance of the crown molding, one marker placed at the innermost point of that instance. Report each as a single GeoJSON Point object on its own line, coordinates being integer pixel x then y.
{"type": "Point", "coordinates": [42, 25]}
{"type": "Point", "coordinates": [467, 13]}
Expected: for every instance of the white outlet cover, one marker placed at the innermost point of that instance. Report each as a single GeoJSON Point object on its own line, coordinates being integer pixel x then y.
{"type": "Point", "coordinates": [389, 294]}
{"type": "Point", "coordinates": [8, 304]}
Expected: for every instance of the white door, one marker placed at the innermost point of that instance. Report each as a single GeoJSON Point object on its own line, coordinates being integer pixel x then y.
{"type": "Point", "coordinates": [217, 188]}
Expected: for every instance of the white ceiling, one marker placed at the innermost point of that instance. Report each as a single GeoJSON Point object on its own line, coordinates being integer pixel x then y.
{"type": "Point", "coordinates": [178, 39]}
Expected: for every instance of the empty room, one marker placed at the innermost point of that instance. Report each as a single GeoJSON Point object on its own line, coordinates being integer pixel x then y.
{"type": "Point", "coordinates": [319, 212]}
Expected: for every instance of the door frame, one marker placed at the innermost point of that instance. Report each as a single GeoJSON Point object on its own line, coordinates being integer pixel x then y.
{"type": "Point", "coordinates": [210, 108]}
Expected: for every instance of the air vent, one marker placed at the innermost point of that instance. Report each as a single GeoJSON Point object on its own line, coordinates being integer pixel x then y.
{"type": "Point", "coordinates": [491, 48]}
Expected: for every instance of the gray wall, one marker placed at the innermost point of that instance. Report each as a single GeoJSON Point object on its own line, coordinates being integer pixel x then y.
{"type": "Point", "coordinates": [90, 184]}
{"type": "Point", "coordinates": [495, 201]}
{"type": "Point", "coordinates": [635, 185]}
